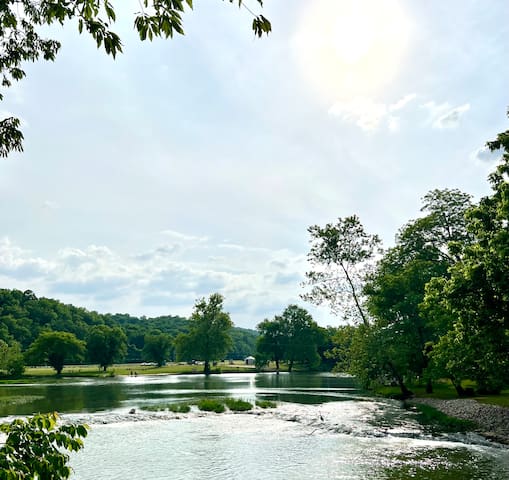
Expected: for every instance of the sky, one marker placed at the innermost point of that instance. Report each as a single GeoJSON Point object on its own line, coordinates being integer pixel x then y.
{"type": "Point", "coordinates": [196, 165]}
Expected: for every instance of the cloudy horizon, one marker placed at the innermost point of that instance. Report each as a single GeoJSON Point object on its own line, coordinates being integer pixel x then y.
{"type": "Point", "coordinates": [195, 165]}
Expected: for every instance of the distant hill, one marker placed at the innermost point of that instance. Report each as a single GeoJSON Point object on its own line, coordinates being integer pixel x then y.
{"type": "Point", "coordinates": [23, 316]}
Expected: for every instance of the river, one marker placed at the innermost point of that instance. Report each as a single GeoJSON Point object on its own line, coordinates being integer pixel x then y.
{"type": "Point", "coordinates": [323, 428]}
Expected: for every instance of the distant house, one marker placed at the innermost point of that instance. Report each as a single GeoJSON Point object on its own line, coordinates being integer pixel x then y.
{"type": "Point", "coordinates": [249, 360]}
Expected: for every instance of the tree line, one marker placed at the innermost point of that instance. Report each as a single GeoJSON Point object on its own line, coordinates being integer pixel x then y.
{"type": "Point", "coordinates": [35, 331]}
{"type": "Point", "coordinates": [436, 304]}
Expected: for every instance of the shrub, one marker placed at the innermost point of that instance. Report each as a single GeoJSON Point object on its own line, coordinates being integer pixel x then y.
{"type": "Point", "coordinates": [179, 407]}
{"type": "Point", "coordinates": [265, 404]}
{"type": "Point", "coordinates": [211, 405]}
{"type": "Point", "coordinates": [238, 405]}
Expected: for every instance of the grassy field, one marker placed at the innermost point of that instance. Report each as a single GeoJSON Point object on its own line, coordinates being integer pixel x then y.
{"type": "Point", "coordinates": [444, 390]}
{"type": "Point", "coordinates": [133, 368]}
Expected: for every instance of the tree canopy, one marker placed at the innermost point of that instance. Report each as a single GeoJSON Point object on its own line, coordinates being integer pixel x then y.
{"type": "Point", "coordinates": [105, 345]}
{"type": "Point", "coordinates": [56, 349]}
{"type": "Point", "coordinates": [209, 332]}
{"type": "Point", "coordinates": [292, 336]}
{"type": "Point", "coordinates": [22, 23]}
{"type": "Point", "coordinates": [340, 256]}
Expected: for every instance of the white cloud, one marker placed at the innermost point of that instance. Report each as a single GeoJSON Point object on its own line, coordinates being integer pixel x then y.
{"type": "Point", "coordinates": [368, 114]}
{"type": "Point", "coordinates": [402, 102]}
{"type": "Point", "coordinates": [156, 283]}
{"type": "Point", "coordinates": [444, 115]}
{"type": "Point", "coordinates": [21, 264]}
{"type": "Point", "coordinates": [484, 155]}
{"type": "Point", "coordinates": [183, 237]}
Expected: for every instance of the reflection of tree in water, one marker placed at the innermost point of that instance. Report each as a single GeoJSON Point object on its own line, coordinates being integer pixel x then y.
{"type": "Point", "coordinates": [61, 398]}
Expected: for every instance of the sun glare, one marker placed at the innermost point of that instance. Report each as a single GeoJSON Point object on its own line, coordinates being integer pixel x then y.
{"type": "Point", "coordinates": [348, 48]}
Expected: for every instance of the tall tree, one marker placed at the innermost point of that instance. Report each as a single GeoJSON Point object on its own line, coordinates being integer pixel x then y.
{"type": "Point", "coordinates": [272, 342]}
{"type": "Point", "coordinates": [304, 337]}
{"type": "Point", "coordinates": [425, 248]}
{"type": "Point", "coordinates": [475, 299]}
{"type": "Point", "coordinates": [341, 255]}
{"type": "Point", "coordinates": [57, 349]}
{"type": "Point", "coordinates": [105, 345]}
{"type": "Point", "coordinates": [157, 347]}
{"type": "Point", "coordinates": [23, 21]}
{"type": "Point", "coordinates": [209, 332]}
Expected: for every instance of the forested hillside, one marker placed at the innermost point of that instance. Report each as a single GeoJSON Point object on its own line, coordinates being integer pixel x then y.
{"type": "Point", "coordinates": [24, 316]}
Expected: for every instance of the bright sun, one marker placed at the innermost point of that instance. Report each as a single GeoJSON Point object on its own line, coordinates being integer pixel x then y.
{"type": "Point", "coordinates": [350, 48]}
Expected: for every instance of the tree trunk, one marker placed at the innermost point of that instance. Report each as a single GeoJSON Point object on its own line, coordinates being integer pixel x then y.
{"type": "Point", "coordinates": [277, 366]}
{"type": "Point", "coordinates": [405, 393]}
{"type": "Point", "coordinates": [290, 366]}
{"type": "Point", "coordinates": [206, 369]}
{"type": "Point", "coordinates": [429, 386]}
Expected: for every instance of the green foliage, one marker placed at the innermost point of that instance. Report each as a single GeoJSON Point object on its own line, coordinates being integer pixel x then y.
{"type": "Point", "coordinates": [238, 405]}
{"type": "Point", "coordinates": [157, 348]}
{"type": "Point", "coordinates": [11, 359]}
{"type": "Point", "coordinates": [209, 333]}
{"type": "Point", "coordinates": [35, 448]}
{"type": "Point", "coordinates": [23, 317]}
{"type": "Point", "coordinates": [211, 405]}
{"type": "Point", "coordinates": [439, 422]}
{"type": "Point", "coordinates": [292, 336]}
{"type": "Point", "coordinates": [266, 404]}
{"type": "Point", "coordinates": [340, 256]}
{"type": "Point", "coordinates": [473, 303]}
{"type": "Point", "coordinates": [23, 21]}
{"type": "Point", "coordinates": [105, 345]}
{"type": "Point", "coordinates": [244, 343]}
{"type": "Point", "coordinates": [55, 349]}
{"type": "Point", "coordinates": [393, 347]}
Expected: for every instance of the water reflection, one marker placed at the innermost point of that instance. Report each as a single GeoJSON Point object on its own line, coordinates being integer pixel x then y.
{"type": "Point", "coordinates": [86, 395]}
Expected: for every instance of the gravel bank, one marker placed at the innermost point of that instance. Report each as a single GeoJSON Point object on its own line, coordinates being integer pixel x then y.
{"type": "Point", "coordinates": [492, 421]}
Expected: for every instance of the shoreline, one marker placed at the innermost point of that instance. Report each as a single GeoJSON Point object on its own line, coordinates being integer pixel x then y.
{"type": "Point", "coordinates": [492, 421]}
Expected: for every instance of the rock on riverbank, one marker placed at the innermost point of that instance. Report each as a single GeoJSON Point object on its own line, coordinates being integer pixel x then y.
{"type": "Point", "coordinates": [492, 420]}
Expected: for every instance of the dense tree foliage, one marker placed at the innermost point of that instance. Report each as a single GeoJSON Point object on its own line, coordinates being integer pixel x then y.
{"type": "Point", "coordinates": [425, 248]}
{"type": "Point", "coordinates": [473, 301]}
{"type": "Point", "coordinates": [437, 301]}
{"type": "Point", "coordinates": [209, 333]}
{"type": "Point", "coordinates": [56, 349]}
{"type": "Point", "coordinates": [22, 23]}
{"type": "Point", "coordinates": [12, 362]}
{"type": "Point", "coordinates": [105, 345]}
{"type": "Point", "coordinates": [35, 448]}
{"type": "Point", "coordinates": [157, 348]}
{"type": "Point", "coordinates": [23, 317]}
{"type": "Point", "coordinates": [293, 337]}
{"type": "Point", "coordinates": [341, 255]}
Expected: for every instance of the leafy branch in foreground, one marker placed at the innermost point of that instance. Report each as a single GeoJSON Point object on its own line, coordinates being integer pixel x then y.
{"type": "Point", "coordinates": [20, 39]}
{"type": "Point", "coordinates": [34, 448]}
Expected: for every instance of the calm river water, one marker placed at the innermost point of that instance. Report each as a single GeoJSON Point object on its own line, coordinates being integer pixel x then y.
{"type": "Point", "coordinates": [323, 428]}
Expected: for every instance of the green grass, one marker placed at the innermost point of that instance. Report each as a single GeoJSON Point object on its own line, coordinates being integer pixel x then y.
{"type": "Point", "coordinates": [266, 404]}
{"type": "Point", "coordinates": [238, 405]}
{"type": "Point", "coordinates": [438, 421]}
{"type": "Point", "coordinates": [211, 405]}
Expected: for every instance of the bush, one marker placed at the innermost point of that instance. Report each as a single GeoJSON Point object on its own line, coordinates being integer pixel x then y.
{"type": "Point", "coordinates": [211, 405]}
{"type": "Point", "coordinates": [179, 407]}
{"type": "Point", "coordinates": [238, 405]}
{"type": "Point", "coordinates": [265, 404]}
{"type": "Point", "coordinates": [35, 447]}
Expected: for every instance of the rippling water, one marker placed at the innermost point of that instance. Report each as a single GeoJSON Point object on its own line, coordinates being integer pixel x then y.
{"type": "Point", "coordinates": [323, 428]}
{"type": "Point", "coordinates": [292, 442]}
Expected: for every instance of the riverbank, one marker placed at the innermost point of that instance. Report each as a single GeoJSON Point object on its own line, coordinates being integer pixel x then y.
{"type": "Point", "coordinates": [492, 421]}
